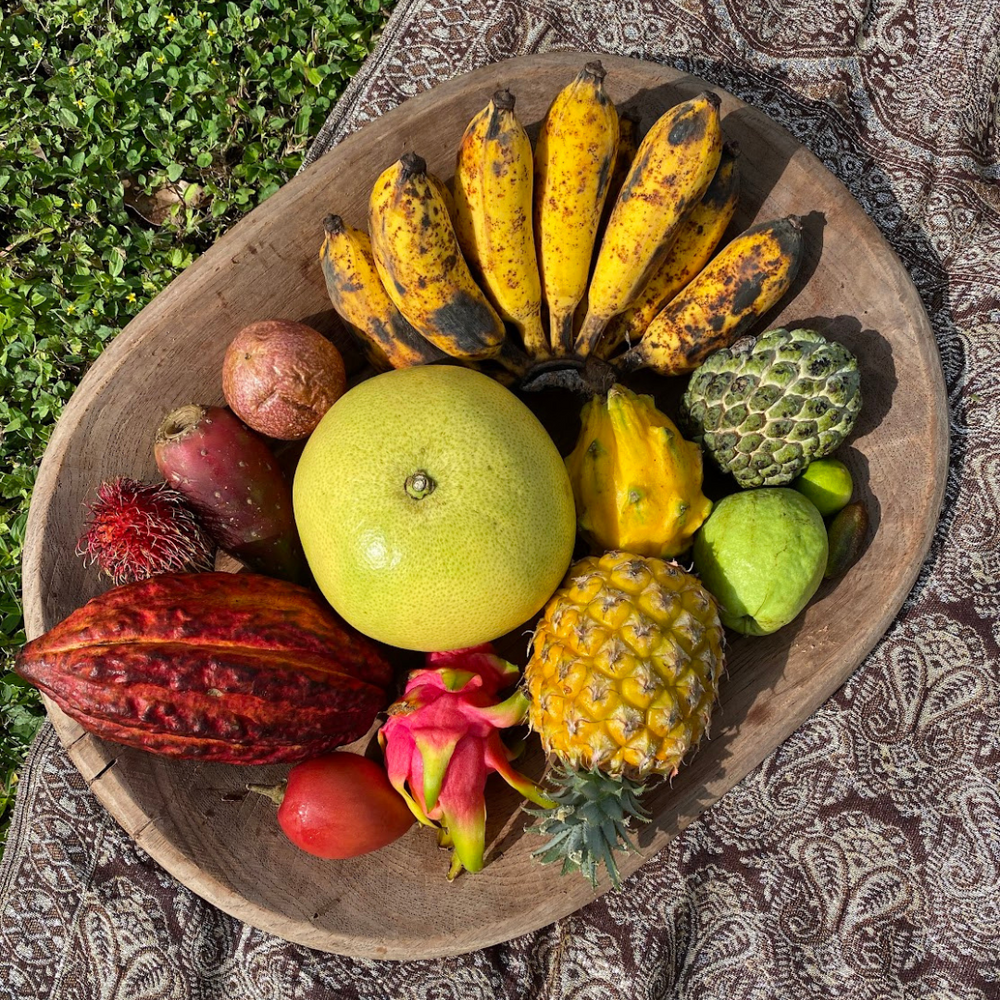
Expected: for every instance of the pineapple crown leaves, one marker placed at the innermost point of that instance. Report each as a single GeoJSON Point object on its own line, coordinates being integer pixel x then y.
{"type": "Point", "coordinates": [590, 821]}
{"type": "Point", "coordinates": [442, 740]}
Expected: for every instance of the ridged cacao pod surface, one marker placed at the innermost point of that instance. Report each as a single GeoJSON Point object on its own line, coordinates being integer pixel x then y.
{"type": "Point", "coordinates": [238, 668]}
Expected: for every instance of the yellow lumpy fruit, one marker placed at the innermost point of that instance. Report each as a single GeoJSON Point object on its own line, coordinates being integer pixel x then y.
{"type": "Point", "coordinates": [636, 481]}
{"type": "Point", "coordinates": [434, 509]}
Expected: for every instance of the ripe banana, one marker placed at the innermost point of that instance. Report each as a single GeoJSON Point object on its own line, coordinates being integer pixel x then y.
{"type": "Point", "coordinates": [493, 187]}
{"type": "Point", "coordinates": [444, 192]}
{"type": "Point", "coordinates": [467, 189]}
{"type": "Point", "coordinates": [672, 170]}
{"type": "Point", "coordinates": [574, 157]}
{"type": "Point", "coordinates": [690, 252]}
{"type": "Point", "coordinates": [628, 146]}
{"type": "Point", "coordinates": [628, 143]}
{"type": "Point", "coordinates": [746, 278]}
{"type": "Point", "coordinates": [421, 265]}
{"type": "Point", "coordinates": [360, 299]}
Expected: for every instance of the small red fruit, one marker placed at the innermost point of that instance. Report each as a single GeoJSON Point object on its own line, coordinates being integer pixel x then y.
{"type": "Point", "coordinates": [138, 530]}
{"type": "Point", "coordinates": [338, 806]}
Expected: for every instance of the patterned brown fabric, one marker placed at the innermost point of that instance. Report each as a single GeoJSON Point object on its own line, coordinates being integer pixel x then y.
{"type": "Point", "coordinates": [862, 859]}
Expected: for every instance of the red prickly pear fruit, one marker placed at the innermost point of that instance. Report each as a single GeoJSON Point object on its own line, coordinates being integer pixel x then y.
{"type": "Point", "coordinates": [233, 482]}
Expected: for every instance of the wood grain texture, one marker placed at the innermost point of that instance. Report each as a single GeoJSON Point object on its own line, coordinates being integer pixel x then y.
{"type": "Point", "coordinates": [195, 819]}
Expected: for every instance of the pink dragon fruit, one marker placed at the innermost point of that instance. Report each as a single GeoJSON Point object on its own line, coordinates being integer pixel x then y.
{"type": "Point", "coordinates": [442, 739]}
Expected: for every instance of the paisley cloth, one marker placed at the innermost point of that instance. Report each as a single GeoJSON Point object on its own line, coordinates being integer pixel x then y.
{"type": "Point", "coordinates": [862, 859]}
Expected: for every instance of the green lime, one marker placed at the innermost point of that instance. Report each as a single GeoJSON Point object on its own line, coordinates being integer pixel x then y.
{"type": "Point", "coordinates": [827, 482]}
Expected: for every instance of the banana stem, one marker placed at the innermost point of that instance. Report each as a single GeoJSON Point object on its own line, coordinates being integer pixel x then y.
{"type": "Point", "coordinates": [632, 360]}
{"type": "Point", "coordinates": [513, 359]}
{"type": "Point", "coordinates": [534, 339]}
{"type": "Point", "coordinates": [561, 333]}
{"type": "Point", "coordinates": [590, 334]}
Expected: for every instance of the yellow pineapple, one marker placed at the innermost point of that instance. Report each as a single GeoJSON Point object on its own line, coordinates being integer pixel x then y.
{"type": "Point", "coordinates": [625, 669]}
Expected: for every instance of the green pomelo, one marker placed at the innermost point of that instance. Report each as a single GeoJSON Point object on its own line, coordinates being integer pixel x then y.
{"type": "Point", "coordinates": [762, 554]}
{"type": "Point", "coordinates": [434, 509]}
{"type": "Point", "coordinates": [828, 483]}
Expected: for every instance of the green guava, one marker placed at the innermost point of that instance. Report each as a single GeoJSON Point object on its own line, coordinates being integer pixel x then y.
{"type": "Point", "coordinates": [762, 554]}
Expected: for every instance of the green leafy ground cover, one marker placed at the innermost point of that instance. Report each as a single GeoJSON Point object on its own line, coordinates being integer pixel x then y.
{"type": "Point", "coordinates": [132, 135]}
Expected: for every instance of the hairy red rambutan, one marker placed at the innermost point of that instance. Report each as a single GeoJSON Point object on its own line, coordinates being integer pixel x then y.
{"type": "Point", "coordinates": [138, 530]}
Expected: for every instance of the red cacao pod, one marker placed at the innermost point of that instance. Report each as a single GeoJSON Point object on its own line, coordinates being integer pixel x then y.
{"type": "Point", "coordinates": [238, 668]}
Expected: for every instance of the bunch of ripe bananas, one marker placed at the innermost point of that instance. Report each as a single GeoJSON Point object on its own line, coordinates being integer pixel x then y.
{"type": "Point", "coordinates": [479, 271]}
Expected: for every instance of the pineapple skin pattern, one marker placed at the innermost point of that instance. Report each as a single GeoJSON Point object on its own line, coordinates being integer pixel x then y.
{"type": "Point", "coordinates": [625, 666]}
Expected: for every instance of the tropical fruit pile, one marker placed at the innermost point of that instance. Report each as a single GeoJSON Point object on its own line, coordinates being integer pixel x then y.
{"type": "Point", "coordinates": [432, 512]}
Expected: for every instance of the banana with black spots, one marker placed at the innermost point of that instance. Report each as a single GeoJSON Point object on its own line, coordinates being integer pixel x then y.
{"type": "Point", "coordinates": [741, 283]}
{"type": "Point", "coordinates": [688, 254]}
{"type": "Point", "coordinates": [671, 171]}
{"type": "Point", "coordinates": [359, 298]}
{"type": "Point", "coordinates": [574, 159]}
{"type": "Point", "coordinates": [467, 189]}
{"type": "Point", "coordinates": [628, 146]}
{"type": "Point", "coordinates": [493, 205]}
{"type": "Point", "coordinates": [419, 260]}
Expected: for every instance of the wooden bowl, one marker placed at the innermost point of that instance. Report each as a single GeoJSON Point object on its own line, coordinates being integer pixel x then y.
{"type": "Point", "coordinates": [195, 819]}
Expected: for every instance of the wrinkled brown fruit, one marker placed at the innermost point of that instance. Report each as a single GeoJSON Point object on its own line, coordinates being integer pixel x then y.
{"type": "Point", "coordinates": [280, 377]}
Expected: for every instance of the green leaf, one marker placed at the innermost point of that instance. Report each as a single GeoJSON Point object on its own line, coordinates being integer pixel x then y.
{"type": "Point", "coordinates": [104, 89]}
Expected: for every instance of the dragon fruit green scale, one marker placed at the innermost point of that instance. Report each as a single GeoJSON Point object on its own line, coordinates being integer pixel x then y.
{"type": "Point", "coordinates": [442, 740]}
{"type": "Point", "coordinates": [764, 409]}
